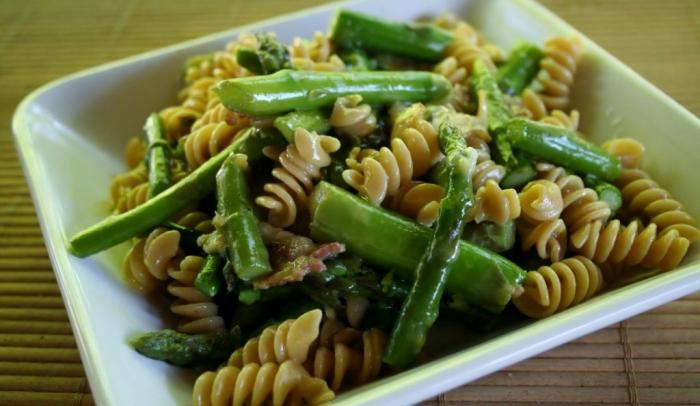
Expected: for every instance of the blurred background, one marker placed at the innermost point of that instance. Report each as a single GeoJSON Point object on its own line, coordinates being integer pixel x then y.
{"type": "Point", "coordinates": [651, 359]}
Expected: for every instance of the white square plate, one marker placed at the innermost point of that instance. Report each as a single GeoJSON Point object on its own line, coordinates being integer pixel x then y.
{"type": "Point", "coordinates": [70, 134]}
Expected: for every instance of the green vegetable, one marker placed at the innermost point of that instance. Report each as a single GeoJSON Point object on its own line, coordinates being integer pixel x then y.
{"type": "Point", "coordinates": [250, 295]}
{"type": "Point", "coordinates": [270, 56]}
{"type": "Point", "coordinates": [562, 147]}
{"type": "Point", "coordinates": [484, 81]}
{"type": "Point", "coordinates": [388, 240]}
{"type": "Point", "coordinates": [491, 236]}
{"type": "Point", "coordinates": [358, 60]}
{"type": "Point", "coordinates": [421, 307]}
{"type": "Point", "coordinates": [311, 120]}
{"type": "Point", "coordinates": [209, 279]}
{"type": "Point", "coordinates": [188, 350]}
{"type": "Point", "coordinates": [289, 90]}
{"type": "Point", "coordinates": [520, 69]}
{"type": "Point", "coordinates": [519, 171]}
{"type": "Point", "coordinates": [240, 229]}
{"type": "Point", "coordinates": [607, 192]}
{"type": "Point", "coordinates": [199, 183]}
{"type": "Point", "coordinates": [354, 30]}
{"type": "Point", "coordinates": [158, 156]}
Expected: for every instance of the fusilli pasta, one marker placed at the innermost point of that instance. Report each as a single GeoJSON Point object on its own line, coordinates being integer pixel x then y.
{"type": "Point", "coordinates": [351, 117]}
{"type": "Point", "coordinates": [291, 340]}
{"type": "Point", "coordinates": [629, 151]}
{"type": "Point", "coordinates": [419, 201]}
{"type": "Point", "coordinates": [556, 287]}
{"type": "Point", "coordinates": [642, 196]}
{"type": "Point", "coordinates": [631, 245]}
{"type": "Point", "coordinates": [548, 237]}
{"type": "Point", "coordinates": [198, 313]}
{"type": "Point", "coordinates": [581, 204]}
{"type": "Point", "coordinates": [146, 264]}
{"type": "Point", "coordinates": [299, 168]}
{"type": "Point", "coordinates": [255, 384]}
{"type": "Point", "coordinates": [491, 203]}
{"type": "Point", "coordinates": [552, 87]}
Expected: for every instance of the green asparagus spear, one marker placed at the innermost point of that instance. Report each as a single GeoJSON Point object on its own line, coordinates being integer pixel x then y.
{"type": "Point", "coordinates": [484, 81]}
{"type": "Point", "coordinates": [519, 172]}
{"type": "Point", "coordinates": [116, 229]}
{"type": "Point", "coordinates": [311, 120]}
{"type": "Point", "coordinates": [270, 56]}
{"type": "Point", "coordinates": [188, 350]}
{"type": "Point", "coordinates": [209, 279]}
{"type": "Point", "coordinates": [421, 307]}
{"type": "Point", "coordinates": [288, 90]}
{"type": "Point", "coordinates": [607, 192]}
{"type": "Point", "coordinates": [491, 236]}
{"type": "Point", "coordinates": [562, 147]}
{"type": "Point", "coordinates": [240, 229]}
{"type": "Point", "coordinates": [158, 159]}
{"type": "Point", "coordinates": [520, 69]}
{"type": "Point", "coordinates": [249, 296]}
{"type": "Point", "coordinates": [357, 60]}
{"type": "Point", "coordinates": [388, 240]}
{"type": "Point", "coordinates": [354, 30]}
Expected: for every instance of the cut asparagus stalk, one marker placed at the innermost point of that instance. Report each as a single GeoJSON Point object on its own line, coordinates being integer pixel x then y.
{"type": "Point", "coordinates": [288, 90]}
{"type": "Point", "coordinates": [385, 239]}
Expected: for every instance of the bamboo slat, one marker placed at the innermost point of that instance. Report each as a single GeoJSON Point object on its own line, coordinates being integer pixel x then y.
{"type": "Point", "coordinates": [650, 359]}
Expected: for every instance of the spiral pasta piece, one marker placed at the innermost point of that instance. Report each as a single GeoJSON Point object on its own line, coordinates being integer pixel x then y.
{"type": "Point", "coordinates": [351, 117]}
{"type": "Point", "coordinates": [451, 70]}
{"type": "Point", "coordinates": [491, 203]}
{"type": "Point", "coordinates": [581, 204]}
{"type": "Point", "coordinates": [486, 171]}
{"type": "Point", "coordinates": [146, 265]}
{"type": "Point", "coordinates": [132, 198]}
{"type": "Point", "coordinates": [561, 119]}
{"type": "Point", "coordinates": [333, 64]}
{"type": "Point", "coordinates": [207, 141]}
{"type": "Point", "coordinates": [541, 200]}
{"type": "Point", "coordinates": [255, 384]}
{"type": "Point", "coordinates": [350, 360]}
{"type": "Point", "coordinates": [551, 289]}
{"type": "Point", "coordinates": [380, 174]}
{"type": "Point", "coordinates": [548, 237]}
{"type": "Point", "coordinates": [198, 314]}
{"type": "Point", "coordinates": [468, 46]}
{"type": "Point", "coordinates": [557, 70]}
{"type": "Point", "coordinates": [300, 167]}
{"type": "Point", "coordinates": [177, 121]}
{"type": "Point", "coordinates": [628, 150]}
{"type": "Point", "coordinates": [643, 196]}
{"type": "Point", "coordinates": [196, 96]}
{"type": "Point", "coordinates": [290, 340]}
{"type": "Point", "coordinates": [124, 182]}
{"type": "Point", "coordinates": [218, 113]}
{"type": "Point", "coordinates": [319, 49]}
{"type": "Point", "coordinates": [631, 245]}
{"type": "Point", "coordinates": [419, 136]}
{"type": "Point", "coordinates": [134, 152]}
{"type": "Point", "coordinates": [197, 220]}
{"type": "Point", "coordinates": [420, 201]}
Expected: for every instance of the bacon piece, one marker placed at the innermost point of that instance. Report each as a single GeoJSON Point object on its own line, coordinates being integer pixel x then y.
{"type": "Point", "coordinates": [294, 270]}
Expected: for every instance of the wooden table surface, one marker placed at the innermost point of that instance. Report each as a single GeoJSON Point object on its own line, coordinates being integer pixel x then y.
{"type": "Point", "coordinates": [650, 359]}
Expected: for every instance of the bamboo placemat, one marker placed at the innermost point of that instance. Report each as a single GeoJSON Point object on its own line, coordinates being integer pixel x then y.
{"type": "Point", "coordinates": [650, 359]}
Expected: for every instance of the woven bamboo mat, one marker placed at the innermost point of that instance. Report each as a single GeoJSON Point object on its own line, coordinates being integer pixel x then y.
{"type": "Point", "coordinates": [651, 359]}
